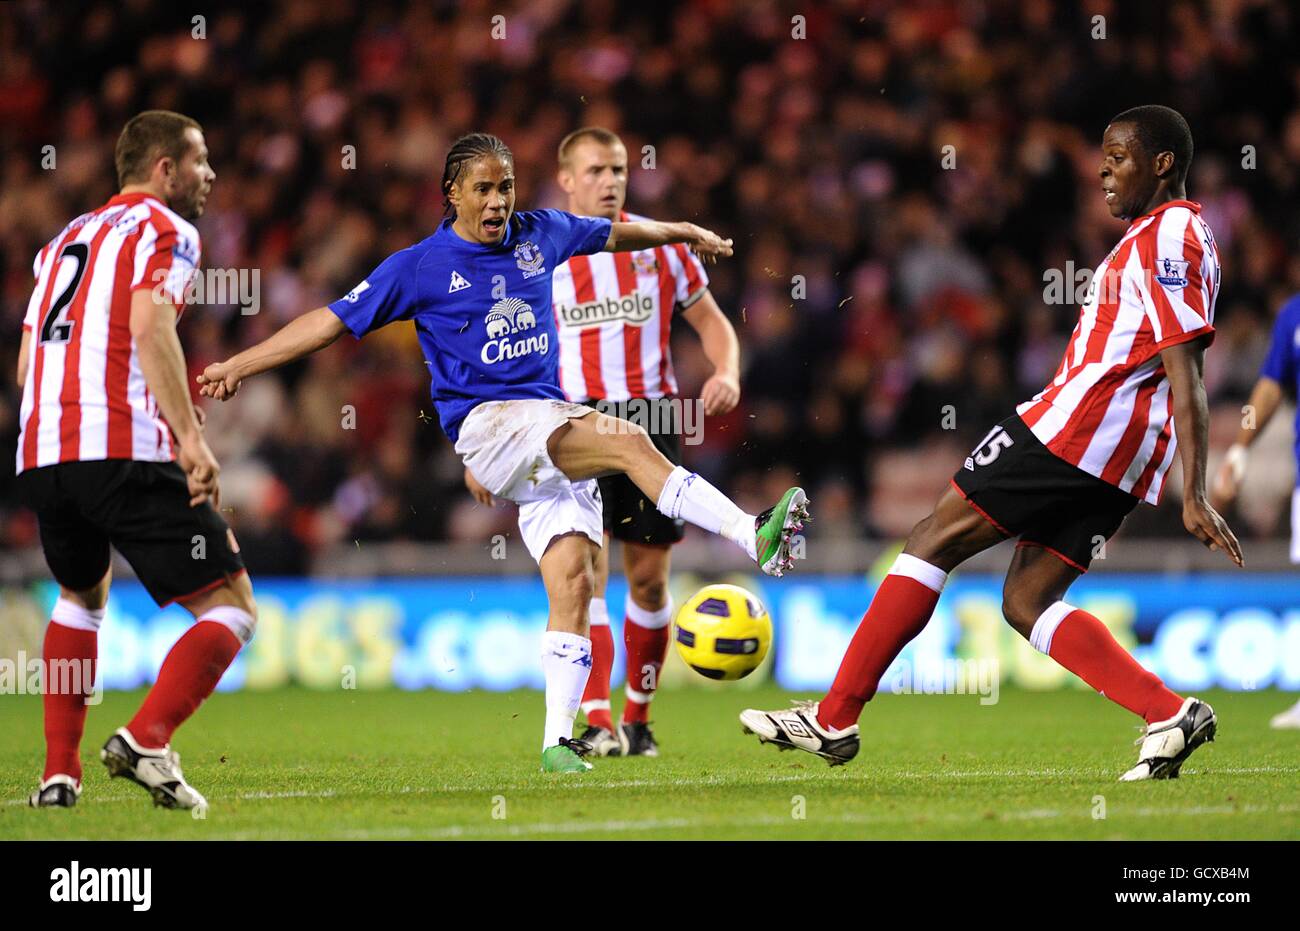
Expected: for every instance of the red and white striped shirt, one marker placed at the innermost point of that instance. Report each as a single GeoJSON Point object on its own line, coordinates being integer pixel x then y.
{"type": "Point", "coordinates": [1109, 409]}
{"type": "Point", "coordinates": [85, 396]}
{"type": "Point", "coordinates": [613, 311]}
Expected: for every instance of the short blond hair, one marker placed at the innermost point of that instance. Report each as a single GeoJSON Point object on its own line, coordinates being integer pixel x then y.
{"type": "Point", "coordinates": [595, 133]}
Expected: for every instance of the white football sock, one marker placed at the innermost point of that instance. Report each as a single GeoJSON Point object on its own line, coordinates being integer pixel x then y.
{"type": "Point", "coordinates": [70, 614]}
{"type": "Point", "coordinates": [650, 620]}
{"type": "Point", "coordinates": [690, 497]}
{"type": "Point", "coordinates": [566, 663]}
{"type": "Point", "coordinates": [918, 570]}
{"type": "Point", "coordinates": [236, 620]}
{"type": "Point", "coordinates": [1040, 636]}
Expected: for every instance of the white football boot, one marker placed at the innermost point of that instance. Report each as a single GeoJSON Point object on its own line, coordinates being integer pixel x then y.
{"type": "Point", "coordinates": [157, 771]}
{"type": "Point", "coordinates": [604, 742]}
{"type": "Point", "coordinates": [796, 728]}
{"type": "Point", "coordinates": [1287, 720]}
{"type": "Point", "coordinates": [1166, 744]}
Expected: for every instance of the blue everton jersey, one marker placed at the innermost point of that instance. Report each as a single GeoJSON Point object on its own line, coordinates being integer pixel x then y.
{"type": "Point", "coordinates": [1283, 362]}
{"type": "Point", "coordinates": [483, 313]}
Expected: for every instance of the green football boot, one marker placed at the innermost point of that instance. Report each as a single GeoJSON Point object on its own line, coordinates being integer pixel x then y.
{"type": "Point", "coordinates": [774, 529]}
{"type": "Point", "coordinates": [566, 757]}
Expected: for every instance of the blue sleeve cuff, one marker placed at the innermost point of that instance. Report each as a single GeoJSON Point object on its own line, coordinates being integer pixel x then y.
{"type": "Point", "coordinates": [340, 309]}
{"type": "Point", "coordinates": [599, 236]}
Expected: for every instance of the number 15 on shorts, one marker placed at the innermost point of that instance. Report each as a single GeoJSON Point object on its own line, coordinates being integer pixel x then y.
{"type": "Point", "coordinates": [989, 448]}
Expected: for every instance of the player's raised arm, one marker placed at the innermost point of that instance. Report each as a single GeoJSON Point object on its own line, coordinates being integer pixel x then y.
{"type": "Point", "coordinates": [1184, 363]}
{"type": "Point", "coordinates": [647, 234]}
{"type": "Point", "coordinates": [383, 297]}
{"type": "Point", "coordinates": [312, 331]}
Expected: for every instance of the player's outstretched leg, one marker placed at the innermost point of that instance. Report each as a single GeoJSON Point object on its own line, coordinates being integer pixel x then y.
{"type": "Point", "coordinates": [1079, 641]}
{"type": "Point", "coordinates": [899, 611]}
{"type": "Point", "coordinates": [225, 619]}
{"type": "Point", "coordinates": [595, 696]}
{"type": "Point", "coordinates": [568, 572]}
{"type": "Point", "coordinates": [599, 444]}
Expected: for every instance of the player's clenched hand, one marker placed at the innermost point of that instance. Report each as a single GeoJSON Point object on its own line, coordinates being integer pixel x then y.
{"type": "Point", "coordinates": [1204, 523]}
{"type": "Point", "coordinates": [720, 394]}
{"type": "Point", "coordinates": [707, 244]}
{"type": "Point", "coordinates": [201, 471]}
{"type": "Point", "coordinates": [219, 381]}
{"type": "Point", "coordinates": [481, 494]}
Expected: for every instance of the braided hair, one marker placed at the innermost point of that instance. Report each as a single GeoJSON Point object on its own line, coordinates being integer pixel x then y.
{"type": "Point", "coordinates": [464, 151]}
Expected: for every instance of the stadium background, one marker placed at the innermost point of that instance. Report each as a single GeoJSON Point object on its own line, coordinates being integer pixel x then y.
{"type": "Point", "coordinates": [822, 156]}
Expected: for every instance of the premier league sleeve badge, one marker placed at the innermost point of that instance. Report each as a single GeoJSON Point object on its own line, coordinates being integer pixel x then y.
{"type": "Point", "coordinates": [1172, 273]}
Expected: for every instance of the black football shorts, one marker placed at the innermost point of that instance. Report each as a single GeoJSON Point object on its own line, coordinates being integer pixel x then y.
{"type": "Point", "coordinates": [1027, 491]}
{"type": "Point", "coordinates": [629, 515]}
{"type": "Point", "coordinates": [142, 509]}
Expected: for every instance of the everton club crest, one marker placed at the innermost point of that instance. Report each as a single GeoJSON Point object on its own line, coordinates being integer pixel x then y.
{"type": "Point", "coordinates": [530, 260]}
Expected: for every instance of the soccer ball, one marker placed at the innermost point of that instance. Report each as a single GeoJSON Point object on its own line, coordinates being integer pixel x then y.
{"type": "Point", "coordinates": [723, 632]}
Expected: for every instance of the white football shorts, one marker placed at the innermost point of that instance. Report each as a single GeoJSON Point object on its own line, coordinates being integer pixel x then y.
{"type": "Point", "coordinates": [503, 444]}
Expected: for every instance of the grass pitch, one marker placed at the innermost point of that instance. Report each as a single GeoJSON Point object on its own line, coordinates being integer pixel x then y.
{"type": "Point", "coordinates": [425, 765]}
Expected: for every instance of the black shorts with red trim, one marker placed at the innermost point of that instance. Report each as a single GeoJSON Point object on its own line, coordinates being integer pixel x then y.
{"type": "Point", "coordinates": [629, 515]}
{"type": "Point", "coordinates": [141, 509]}
{"type": "Point", "coordinates": [1027, 491]}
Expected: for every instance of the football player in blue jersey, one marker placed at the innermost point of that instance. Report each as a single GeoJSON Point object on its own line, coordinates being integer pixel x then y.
{"type": "Point", "coordinates": [479, 292]}
{"type": "Point", "coordinates": [1279, 377]}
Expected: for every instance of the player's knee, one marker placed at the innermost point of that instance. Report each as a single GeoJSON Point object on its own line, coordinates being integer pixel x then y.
{"type": "Point", "coordinates": [249, 607]}
{"type": "Point", "coordinates": [928, 540]}
{"type": "Point", "coordinates": [1020, 609]}
{"type": "Point", "coordinates": [921, 533]}
{"type": "Point", "coordinates": [232, 605]}
{"type": "Point", "coordinates": [578, 586]}
{"type": "Point", "coordinates": [649, 593]}
{"type": "Point", "coordinates": [241, 595]}
{"type": "Point", "coordinates": [633, 442]}
{"type": "Point", "coordinates": [633, 429]}
{"type": "Point", "coordinates": [582, 588]}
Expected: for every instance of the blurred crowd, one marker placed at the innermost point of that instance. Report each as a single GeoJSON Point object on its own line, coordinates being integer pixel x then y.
{"type": "Point", "coordinates": [888, 290]}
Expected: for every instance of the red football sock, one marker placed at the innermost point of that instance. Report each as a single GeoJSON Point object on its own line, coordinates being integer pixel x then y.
{"type": "Point", "coordinates": [900, 610]}
{"type": "Point", "coordinates": [646, 648]}
{"type": "Point", "coordinates": [70, 655]}
{"type": "Point", "coordinates": [1081, 643]}
{"type": "Point", "coordinates": [595, 697]}
{"type": "Point", "coordinates": [189, 674]}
